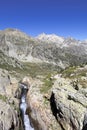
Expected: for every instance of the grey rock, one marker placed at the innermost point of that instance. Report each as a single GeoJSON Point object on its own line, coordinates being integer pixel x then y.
{"type": "Point", "coordinates": [68, 105]}
{"type": "Point", "coordinates": [8, 117]}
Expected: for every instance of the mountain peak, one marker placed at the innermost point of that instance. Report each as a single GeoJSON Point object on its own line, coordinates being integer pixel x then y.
{"type": "Point", "coordinates": [50, 38]}
{"type": "Point", "coordinates": [10, 29]}
{"type": "Point", "coordinates": [14, 32]}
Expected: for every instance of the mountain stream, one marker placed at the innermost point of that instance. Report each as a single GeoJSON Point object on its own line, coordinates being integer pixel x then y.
{"type": "Point", "coordinates": [23, 107]}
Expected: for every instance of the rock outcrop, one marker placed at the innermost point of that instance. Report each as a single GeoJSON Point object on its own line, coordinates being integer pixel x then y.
{"type": "Point", "coordinates": [8, 117]}
{"type": "Point", "coordinates": [68, 104]}
{"type": "Point", "coordinates": [39, 109]}
{"type": "Point", "coordinates": [63, 107]}
{"type": "Point", "coordinates": [9, 105]}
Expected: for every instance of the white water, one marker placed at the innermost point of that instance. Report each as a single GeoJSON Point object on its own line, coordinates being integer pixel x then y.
{"type": "Point", "coordinates": [23, 107]}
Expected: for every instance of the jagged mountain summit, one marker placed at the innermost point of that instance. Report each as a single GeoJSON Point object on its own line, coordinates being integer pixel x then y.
{"type": "Point", "coordinates": [50, 38]}
{"type": "Point", "coordinates": [62, 52]}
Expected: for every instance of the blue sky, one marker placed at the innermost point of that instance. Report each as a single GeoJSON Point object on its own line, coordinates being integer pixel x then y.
{"type": "Point", "coordinates": [62, 17]}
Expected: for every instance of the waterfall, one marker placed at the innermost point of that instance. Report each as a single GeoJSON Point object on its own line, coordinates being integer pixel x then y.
{"type": "Point", "coordinates": [23, 107]}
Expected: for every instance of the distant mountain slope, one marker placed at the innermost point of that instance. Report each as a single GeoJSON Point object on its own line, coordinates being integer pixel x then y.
{"type": "Point", "coordinates": [62, 51]}
{"type": "Point", "coordinates": [9, 63]}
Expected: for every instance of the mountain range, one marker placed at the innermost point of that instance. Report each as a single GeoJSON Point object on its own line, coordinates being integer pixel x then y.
{"type": "Point", "coordinates": [51, 48]}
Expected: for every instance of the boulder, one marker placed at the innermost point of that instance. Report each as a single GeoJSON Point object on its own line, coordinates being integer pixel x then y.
{"type": "Point", "coordinates": [68, 105]}
{"type": "Point", "coordinates": [8, 117]}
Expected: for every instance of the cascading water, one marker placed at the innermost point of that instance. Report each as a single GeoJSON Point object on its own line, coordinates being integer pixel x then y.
{"type": "Point", "coordinates": [23, 107]}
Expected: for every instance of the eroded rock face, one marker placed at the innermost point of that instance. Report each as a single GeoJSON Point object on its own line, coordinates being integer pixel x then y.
{"type": "Point", "coordinates": [68, 105]}
{"type": "Point", "coordinates": [4, 80]}
{"type": "Point", "coordinates": [63, 108]}
{"type": "Point", "coordinates": [9, 105]}
{"type": "Point", "coordinates": [39, 109]}
{"type": "Point", "coordinates": [26, 82]}
{"type": "Point", "coordinates": [8, 117]}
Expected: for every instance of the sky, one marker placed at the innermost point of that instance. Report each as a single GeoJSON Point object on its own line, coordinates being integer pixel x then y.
{"type": "Point", "coordinates": [61, 17]}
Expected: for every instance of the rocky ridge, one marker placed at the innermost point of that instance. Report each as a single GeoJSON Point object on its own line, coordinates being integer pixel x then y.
{"type": "Point", "coordinates": [50, 38]}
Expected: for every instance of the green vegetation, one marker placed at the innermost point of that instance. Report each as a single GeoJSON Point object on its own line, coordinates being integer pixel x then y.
{"type": "Point", "coordinates": [21, 69]}
{"type": "Point", "coordinates": [79, 73]}
{"type": "Point", "coordinates": [3, 98]}
{"type": "Point", "coordinates": [39, 69]}
{"type": "Point", "coordinates": [46, 102]}
{"type": "Point", "coordinates": [68, 71]}
{"type": "Point", "coordinates": [9, 63]}
{"type": "Point", "coordinates": [82, 74]}
{"type": "Point", "coordinates": [74, 72]}
{"type": "Point", "coordinates": [48, 82]}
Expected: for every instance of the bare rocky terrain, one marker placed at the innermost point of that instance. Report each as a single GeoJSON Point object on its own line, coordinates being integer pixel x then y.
{"type": "Point", "coordinates": [55, 68]}
{"type": "Point", "coordinates": [16, 44]}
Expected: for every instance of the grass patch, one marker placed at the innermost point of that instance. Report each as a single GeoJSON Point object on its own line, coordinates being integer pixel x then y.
{"type": "Point", "coordinates": [34, 70]}
{"type": "Point", "coordinates": [74, 72]}
{"type": "Point", "coordinates": [83, 74]}
{"type": "Point", "coordinates": [3, 98]}
{"type": "Point", "coordinates": [68, 71]}
{"type": "Point", "coordinates": [39, 69]}
{"type": "Point", "coordinates": [46, 102]}
{"type": "Point", "coordinates": [48, 82]}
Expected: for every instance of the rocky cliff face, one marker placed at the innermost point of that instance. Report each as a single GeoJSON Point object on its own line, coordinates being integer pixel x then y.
{"type": "Point", "coordinates": [8, 103]}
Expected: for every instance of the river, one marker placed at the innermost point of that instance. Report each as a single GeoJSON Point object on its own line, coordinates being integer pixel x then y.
{"type": "Point", "coordinates": [23, 107]}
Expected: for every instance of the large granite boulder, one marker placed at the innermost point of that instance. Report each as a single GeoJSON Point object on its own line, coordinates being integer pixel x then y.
{"type": "Point", "coordinates": [69, 105]}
